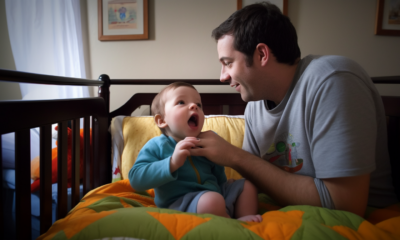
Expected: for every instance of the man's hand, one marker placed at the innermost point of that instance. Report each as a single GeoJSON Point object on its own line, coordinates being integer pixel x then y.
{"type": "Point", "coordinates": [215, 148]}
{"type": "Point", "coordinates": [181, 152]}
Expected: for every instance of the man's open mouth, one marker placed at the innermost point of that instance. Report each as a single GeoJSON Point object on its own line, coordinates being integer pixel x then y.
{"type": "Point", "coordinates": [193, 120]}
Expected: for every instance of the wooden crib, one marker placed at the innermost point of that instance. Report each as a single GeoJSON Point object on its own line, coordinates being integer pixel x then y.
{"type": "Point", "coordinates": [20, 116]}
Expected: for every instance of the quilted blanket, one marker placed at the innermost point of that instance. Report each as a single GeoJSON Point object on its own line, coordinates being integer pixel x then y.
{"type": "Point", "coordinates": [116, 211]}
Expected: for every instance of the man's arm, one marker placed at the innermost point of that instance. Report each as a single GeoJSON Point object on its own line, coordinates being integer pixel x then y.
{"type": "Point", "coordinates": [348, 193]}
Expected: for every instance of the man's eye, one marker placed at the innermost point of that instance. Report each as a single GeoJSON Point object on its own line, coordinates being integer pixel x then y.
{"type": "Point", "coordinates": [228, 64]}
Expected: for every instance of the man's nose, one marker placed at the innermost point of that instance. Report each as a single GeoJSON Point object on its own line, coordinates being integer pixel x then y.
{"type": "Point", "coordinates": [224, 75]}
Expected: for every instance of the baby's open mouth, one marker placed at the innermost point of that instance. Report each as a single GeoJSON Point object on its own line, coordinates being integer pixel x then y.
{"type": "Point", "coordinates": [193, 120]}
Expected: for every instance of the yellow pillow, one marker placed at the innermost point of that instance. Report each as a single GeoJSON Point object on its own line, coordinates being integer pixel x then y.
{"type": "Point", "coordinates": [138, 130]}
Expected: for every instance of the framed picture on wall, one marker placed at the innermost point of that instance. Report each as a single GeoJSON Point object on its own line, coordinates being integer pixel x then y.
{"type": "Point", "coordinates": [388, 18]}
{"type": "Point", "coordinates": [123, 20]}
{"type": "Point", "coordinates": [282, 4]}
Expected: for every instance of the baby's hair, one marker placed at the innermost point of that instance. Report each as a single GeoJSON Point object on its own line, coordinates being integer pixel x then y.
{"type": "Point", "coordinates": [158, 104]}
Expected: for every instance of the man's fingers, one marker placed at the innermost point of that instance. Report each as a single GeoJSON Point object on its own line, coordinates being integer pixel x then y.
{"type": "Point", "coordinates": [196, 152]}
{"type": "Point", "coordinates": [186, 145]}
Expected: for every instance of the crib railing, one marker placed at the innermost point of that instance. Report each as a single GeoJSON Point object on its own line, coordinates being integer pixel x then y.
{"type": "Point", "coordinates": [20, 116]}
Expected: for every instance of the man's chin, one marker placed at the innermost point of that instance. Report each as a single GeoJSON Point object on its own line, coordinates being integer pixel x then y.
{"type": "Point", "coordinates": [245, 97]}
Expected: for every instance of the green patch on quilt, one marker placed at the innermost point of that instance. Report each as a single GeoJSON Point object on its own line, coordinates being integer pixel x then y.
{"type": "Point", "coordinates": [327, 217]}
{"type": "Point", "coordinates": [312, 230]}
{"type": "Point", "coordinates": [144, 193]}
{"type": "Point", "coordinates": [262, 197]}
{"type": "Point", "coordinates": [123, 224]}
{"type": "Point", "coordinates": [61, 236]}
{"type": "Point", "coordinates": [112, 203]}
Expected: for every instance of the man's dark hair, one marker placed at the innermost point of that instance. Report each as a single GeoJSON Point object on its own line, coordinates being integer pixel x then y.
{"type": "Point", "coordinates": [261, 23]}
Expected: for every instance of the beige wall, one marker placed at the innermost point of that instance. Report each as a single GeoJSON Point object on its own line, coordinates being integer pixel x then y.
{"type": "Point", "coordinates": [343, 27]}
{"type": "Point", "coordinates": [180, 45]}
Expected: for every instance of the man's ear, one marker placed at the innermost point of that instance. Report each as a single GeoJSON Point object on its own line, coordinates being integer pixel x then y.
{"type": "Point", "coordinates": [160, 121]}
{"type": "Point", "coordinates": [263, 53]}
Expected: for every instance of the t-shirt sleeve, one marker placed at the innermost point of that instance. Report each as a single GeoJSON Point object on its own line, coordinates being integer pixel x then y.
{"type": "Point", "coordinates": [343, 127]}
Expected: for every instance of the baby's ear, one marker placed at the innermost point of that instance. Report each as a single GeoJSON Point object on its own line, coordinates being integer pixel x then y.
{"type": "Point", "coordinates": [160, 121]}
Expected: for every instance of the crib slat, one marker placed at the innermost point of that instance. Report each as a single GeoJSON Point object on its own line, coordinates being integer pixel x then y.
{"type": "Point", "coordinates": [92, 153]}
{"type": "Point", "coordinates": [1, 192]}
{"type": "Point", "coordinates": [45, 178]}
{"type": "Point", "coordinates": [23, 183]}
{"type": "Point", "coordinates": [75, 175]}
{"type": "Point", "coordinates": [86, 155]}
{"type": "Point", "coordinates": [95, 165]}
{"type": "Point", "coordinates": [62, 140]}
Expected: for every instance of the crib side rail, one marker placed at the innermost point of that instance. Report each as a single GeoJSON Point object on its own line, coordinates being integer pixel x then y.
{"type": "Point", "coordinates": [19, 116]}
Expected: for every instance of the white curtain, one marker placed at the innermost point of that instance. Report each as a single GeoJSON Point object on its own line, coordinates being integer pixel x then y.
{"type": "Point", "coordinates": [46, 38]}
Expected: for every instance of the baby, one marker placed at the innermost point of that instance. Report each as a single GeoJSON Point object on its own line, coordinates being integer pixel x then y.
{"type": "Point", "coordinates": [180, 181]}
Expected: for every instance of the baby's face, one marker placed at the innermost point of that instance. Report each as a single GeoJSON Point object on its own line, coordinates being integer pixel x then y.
{"type": "Point", "coordinates": [183, 113]}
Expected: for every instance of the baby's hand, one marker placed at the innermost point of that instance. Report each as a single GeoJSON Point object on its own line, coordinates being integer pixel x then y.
{"type": "Point", "coordinates": [181, 152]}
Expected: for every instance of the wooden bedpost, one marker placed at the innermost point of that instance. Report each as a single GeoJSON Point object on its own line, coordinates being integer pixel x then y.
{"type": "Point", "coordinates": [102, 172]}
{"type": "Point", "coordinates": [104, 90]}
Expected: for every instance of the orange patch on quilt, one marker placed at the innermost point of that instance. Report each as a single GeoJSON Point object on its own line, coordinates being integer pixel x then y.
{"type": "Point", "coordinates": [391, 226]}
{"type": "Point", "coordinates": [178, 224]}
{"type": "Point", "coordinates": [276, 224]}
{"type": "Point", "coordinates": [126, 205]}
{"type": "Point", "coordinates": [122, 188]}
{"type": "Point", "coordinates": [85, 218]}
{"type": "Point", "coordinates": [366, 230]}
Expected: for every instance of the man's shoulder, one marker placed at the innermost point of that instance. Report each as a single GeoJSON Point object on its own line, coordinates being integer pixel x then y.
{"type": "Point", "coordinates": [329, 64]}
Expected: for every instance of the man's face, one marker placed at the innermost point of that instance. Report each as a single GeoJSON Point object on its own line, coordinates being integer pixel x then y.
{"type": "Point", "coordinates": [235, 71]}
{"type": "Point", "coordinates": [183, 113]}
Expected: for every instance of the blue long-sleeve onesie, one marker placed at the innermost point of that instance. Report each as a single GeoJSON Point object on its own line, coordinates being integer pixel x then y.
{"type": "Point", "coordinates": [151, 170]}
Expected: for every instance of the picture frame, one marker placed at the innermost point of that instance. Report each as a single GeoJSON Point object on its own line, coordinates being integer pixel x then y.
{"type": "Point", "coordinates": [388, 18]}
{"type": "Point", "coordinates": [122, 20]}
{"type": "Point", "coordinates": [282, 4]}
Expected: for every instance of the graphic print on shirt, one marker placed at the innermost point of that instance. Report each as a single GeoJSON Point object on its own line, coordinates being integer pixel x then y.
{"type": "Point", "coordinates": [283, 153]}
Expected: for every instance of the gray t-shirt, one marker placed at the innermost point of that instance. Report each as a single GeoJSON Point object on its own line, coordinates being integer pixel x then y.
{"type": "Point", "coordinates": [330, 124]}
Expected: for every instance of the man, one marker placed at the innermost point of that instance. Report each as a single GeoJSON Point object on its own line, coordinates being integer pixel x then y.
{"type": "Point", "coordinates": [315, 127]}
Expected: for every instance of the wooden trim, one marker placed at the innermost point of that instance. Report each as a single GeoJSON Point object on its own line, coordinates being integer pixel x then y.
{"type": "Point", "coordinates": [75, 162]}
{"type": "Point", "coordinates": [26, 77]}
{"type": "Point", "coordinates": [1, 192]}
{"type": "Point", "coordinates": [45, 178]}
{"type": "Point", "coordinates": [23, 183]}
{"type": "Point", "coordinates": [86, 155]}
{"type": "Point", "coordinates": [62, 160]}
{"type": "Point", "coordinates": [166, 81]}
{"type": "Point", "coordinates": [42, 112]}
{"type": "Point", "coordinates": [239, 4]}
{"type": "Point", "coordinates": [386, 80]}
{"type": "Point", "coordinates": [212, 102]}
